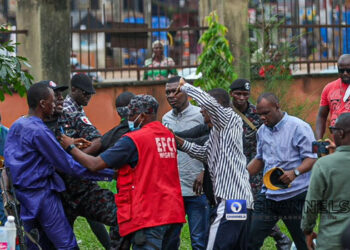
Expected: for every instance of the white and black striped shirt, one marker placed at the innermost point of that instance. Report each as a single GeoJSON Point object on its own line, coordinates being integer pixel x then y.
{"type": "Point", "coordinates": [223, 152]}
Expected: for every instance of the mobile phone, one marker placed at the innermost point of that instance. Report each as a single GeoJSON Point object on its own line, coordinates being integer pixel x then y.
{"type": "Point", "coordinates": [62, 130]}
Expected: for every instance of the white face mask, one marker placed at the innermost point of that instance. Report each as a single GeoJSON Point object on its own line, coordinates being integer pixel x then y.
{"type": "Point", "coordinates": [132, 124]}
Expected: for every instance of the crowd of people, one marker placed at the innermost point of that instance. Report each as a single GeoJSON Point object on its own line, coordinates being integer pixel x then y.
{"type": "Point", "coordinates": [208, 162]}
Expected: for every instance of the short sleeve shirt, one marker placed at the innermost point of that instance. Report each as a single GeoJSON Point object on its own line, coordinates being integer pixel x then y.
{"type": "Point", "coordinates": [332, 96]}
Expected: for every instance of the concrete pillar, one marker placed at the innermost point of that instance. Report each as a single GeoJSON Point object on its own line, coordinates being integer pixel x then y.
{"type": "Point", "coordinates": [118, 7]}
{"type": "Point", "coordinates": [234, 15]}
{"type": "Point", "coordinates": [47, 44]}
{"type": "Point", "coordinates": [147, 10]}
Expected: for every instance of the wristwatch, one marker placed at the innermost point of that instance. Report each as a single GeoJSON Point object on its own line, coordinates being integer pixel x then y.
{"type": "Point", "coordinates": [296, 172]}
{"type": "Point", "coordinates": [69, 148]}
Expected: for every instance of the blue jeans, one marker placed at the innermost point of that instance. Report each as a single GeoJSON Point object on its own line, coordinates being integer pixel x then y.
{"type": "Point", "coordinates": [197, 210]}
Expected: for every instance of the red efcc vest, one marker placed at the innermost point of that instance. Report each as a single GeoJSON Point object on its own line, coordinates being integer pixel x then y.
{"type": "Point", "coordinates": [149, 195]}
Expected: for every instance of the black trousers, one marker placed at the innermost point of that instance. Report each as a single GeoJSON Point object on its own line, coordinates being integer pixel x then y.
{"type": "Point", "coordinates": [266, 214]}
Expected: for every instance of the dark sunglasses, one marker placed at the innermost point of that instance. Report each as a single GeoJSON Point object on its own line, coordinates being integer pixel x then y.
{"type": "Point", "coordinates": [332, 129]}
{"type": "Point", "coordinates": [342, 71]}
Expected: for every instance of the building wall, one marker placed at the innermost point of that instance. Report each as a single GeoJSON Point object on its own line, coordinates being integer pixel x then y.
{"type": "Point", "coordinates": [102, 113]}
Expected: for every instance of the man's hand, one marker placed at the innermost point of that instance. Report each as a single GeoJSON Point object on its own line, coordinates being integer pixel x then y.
{"type": "Point", "coordinates": [181, 83]}
{"type": "Point", "coordinates": [288, 177]}
{"type": "Point", "coordinates": [310, 240]}
{"type": "Point", "coordinates": [65, 141]}
{"type": "Point", "coordinates": [331, 147]}
{"type": "Point", "coordinates": [82, 143]}
{"type": "Point", "coordinates": [179, 141]}
{"type": "Point", "coordinates": [198, 184]}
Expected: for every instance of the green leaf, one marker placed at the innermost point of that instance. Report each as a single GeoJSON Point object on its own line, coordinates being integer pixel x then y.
{"type": "Point", "coordinates": [11, 74]}
{"type": "Point", "coordinates": [2, 96]}
{"type": "Point", "coordinates": [3, 72]}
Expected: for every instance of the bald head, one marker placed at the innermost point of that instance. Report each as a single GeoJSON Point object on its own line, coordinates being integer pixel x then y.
{"type": "Point", "coordinates": [271, 97]}
{"type": "Point", "coordinates": [340, 131]}
{"type": "Point", "coordinates": [344, 68]}
{"type": "Point", "coordinates": [345, 58]}
{"type": "Point", "coordinates": [268, 109]}
{"type": "Point", "coordinates": [343, 121]}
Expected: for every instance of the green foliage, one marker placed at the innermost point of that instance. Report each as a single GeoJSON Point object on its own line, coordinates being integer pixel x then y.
{"type": "Point", "coordinates": [270, 54]}
{"type": "Point", "coordinates": [215, 61]}
{"type": "Point", "coordinates": [271, 64]}
{"type": "Point", "coordinates": [12, 77]}
{"type": "Point", "coordinates": [88, 241]}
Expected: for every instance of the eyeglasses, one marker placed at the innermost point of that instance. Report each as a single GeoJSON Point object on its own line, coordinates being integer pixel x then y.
{"type": "Point", "coordinates": [342, 71]}
{"type": "Point", "coordinates": [332, 129]}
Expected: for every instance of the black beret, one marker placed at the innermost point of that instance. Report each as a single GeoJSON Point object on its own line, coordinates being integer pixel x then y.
{"type": "Point", "coordinates": [240, 84]}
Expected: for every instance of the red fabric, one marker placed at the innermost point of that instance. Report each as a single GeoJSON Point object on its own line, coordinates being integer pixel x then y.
{"type": "Point", "coordinates": [264, 69]}
{"type": "Point", "coordinates": [271, 68]}
{"type": "Point", "coordinates": [332, 96]}
{"type": "Point", "coordinates": [149, 195]}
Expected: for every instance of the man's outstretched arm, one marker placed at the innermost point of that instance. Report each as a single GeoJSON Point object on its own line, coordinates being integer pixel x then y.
{"type": "Point", "coordinates": [90, 162]}
{"type": "Point", "coordinates": [255, 166]}
{"type": "Point", "coordinates": [194, 150]}
{"type": "Point", "coordinates": [218, 114]}
{"type": "Point", "coordinates": [122, 153]}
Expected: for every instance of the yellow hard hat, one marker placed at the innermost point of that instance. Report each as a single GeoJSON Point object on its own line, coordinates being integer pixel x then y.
{"type": "Point", "coordinates": [272, 180]}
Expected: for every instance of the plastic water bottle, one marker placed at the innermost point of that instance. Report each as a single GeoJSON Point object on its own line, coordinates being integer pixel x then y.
{"type": "Point", "coordinates": [3, 238]}
{"type": "Point", "coordinates": [10, 226]}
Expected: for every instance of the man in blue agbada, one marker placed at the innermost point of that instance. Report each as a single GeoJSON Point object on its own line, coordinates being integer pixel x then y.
{"type": "Point", "coordinates": [32, 154]}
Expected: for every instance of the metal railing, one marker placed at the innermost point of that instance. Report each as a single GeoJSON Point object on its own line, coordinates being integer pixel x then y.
{"type": "Point", "coordinates": [317, 32]}
{"type": "Point", "coordinates": [114, 41]}
{"type": "Point", "coordinates": [8, 19]}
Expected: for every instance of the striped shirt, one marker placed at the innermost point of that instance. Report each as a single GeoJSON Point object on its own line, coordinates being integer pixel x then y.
{"type": "Point", "coordinates": [223, 152]}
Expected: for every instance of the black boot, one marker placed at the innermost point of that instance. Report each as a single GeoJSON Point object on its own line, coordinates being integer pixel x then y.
{"type": "Point", "coordinates": [282, 240]}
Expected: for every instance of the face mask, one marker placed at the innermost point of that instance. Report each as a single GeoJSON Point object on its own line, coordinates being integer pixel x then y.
{"type": "Point", "coordinates": [132, 124]}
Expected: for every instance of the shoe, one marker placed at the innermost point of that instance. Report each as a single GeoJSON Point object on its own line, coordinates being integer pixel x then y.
{"type": "Point", "coordinates": [284, 243]}
{"type": "Point", "coordinates": [282, 240]}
